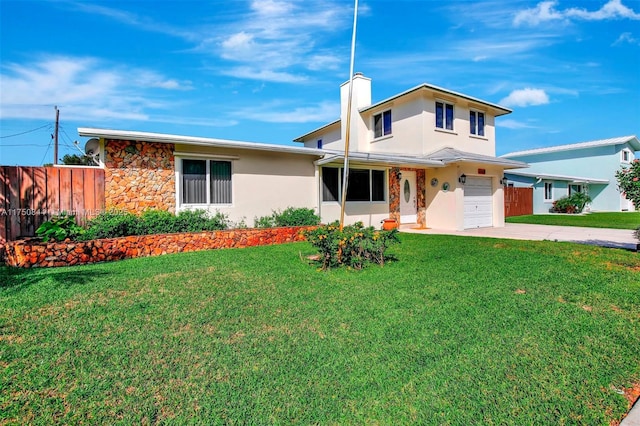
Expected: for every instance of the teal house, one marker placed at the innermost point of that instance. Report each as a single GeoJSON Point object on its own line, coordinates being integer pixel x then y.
{"type": "Point", "coordinates": [589, 167]}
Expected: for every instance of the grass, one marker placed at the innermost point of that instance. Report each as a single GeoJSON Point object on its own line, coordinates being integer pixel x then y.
{"type": "Point", "coordinates": [456, 331]}
{"type": "Point", "coordinates": [619, 220]}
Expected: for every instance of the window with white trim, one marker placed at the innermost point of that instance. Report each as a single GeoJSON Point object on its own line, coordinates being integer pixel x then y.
{"type": "Point", "coordinates": [382, 124]}
{"type": "Point", "coordinates": [444, 115]}
{"type": "Point", "coordinates": [476, 122]}
{"type": "Point", "coordinates": [364, 184]}
{"type": "Point", "coordinates": [548, 191]}
{"type": "Point", "coordinates": [627, 156]}
{"type": "Point", "coordinates": [206, 181]}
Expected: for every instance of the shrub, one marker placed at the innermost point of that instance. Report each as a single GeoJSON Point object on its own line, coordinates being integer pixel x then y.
{"type": "Point", "coordinates": [112, 224]}
{"type": "Point", "coordinates": [354, 246]}
{"type": "Point", "coordinates": [115, 223]}
{"type": "Point", "coordinates": [629, 182]}
{"type": "Point", "coordinates": [572, 204]}
{"type": "Point", "coordinates": [60, 228]}
{"type": "Point", "coordinates": [291, 216]}
{"type": "Point", "coordinates": [200, 220]}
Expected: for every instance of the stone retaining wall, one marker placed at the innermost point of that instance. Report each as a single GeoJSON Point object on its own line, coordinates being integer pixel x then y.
{"type": "Point", "coordinates": [35, 253]}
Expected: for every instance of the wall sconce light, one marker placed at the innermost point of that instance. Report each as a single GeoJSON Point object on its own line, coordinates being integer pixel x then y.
{"type": "Point", "coordinates": [462, 179]}
{"type": "Point", "coordinates": [399, 175]}
{"type": "Point", "coordinates": [504, 180]}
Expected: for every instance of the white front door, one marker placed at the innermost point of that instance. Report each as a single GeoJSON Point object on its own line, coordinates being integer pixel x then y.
{"type": "Point", "coordinates": [408, 197]}
{"type": "Point", "coordinates": [478, 203]}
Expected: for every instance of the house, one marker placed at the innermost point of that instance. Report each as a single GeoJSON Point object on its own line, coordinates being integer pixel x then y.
{"type": "Point", "coordinates": [425, 157]}
{"type": "Point", "coordinates": [589, 167]}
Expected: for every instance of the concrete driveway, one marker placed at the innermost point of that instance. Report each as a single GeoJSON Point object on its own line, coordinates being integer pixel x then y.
{"type": "Point", "coordinates": [615, 238]}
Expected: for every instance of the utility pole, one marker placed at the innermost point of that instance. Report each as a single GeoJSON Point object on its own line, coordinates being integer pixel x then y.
{"type": "Point", "coordinates": [55, 137]}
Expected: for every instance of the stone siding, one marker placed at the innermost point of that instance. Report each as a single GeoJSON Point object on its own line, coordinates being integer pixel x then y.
{"type": "Point", "coordinates": [139, 176]}
{"type": "Point", "coordinates": [35, 253]}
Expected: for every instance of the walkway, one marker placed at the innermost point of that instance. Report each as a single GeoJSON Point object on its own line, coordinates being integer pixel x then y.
{"type": "Point", "coordinates": [615, 238]}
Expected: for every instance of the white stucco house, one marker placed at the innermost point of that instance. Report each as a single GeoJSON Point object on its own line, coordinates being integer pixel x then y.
{"type": "Point", "coordinates": [589, 167]}
{"type": "Point", "coordinates": [425, 157]}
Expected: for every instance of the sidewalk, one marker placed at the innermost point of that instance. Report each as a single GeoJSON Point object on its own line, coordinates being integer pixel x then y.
{"type": "Point", "coordinates": [604, 237]}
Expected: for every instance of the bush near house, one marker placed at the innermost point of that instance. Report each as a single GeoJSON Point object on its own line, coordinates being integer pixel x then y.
{"type": "Point", "coordinates": [573, 204]}
{"type": "Point", "coordinates": [354, 246]}
{"type": "Point", "coordinates": [59, 228]}
{"type": "Point", "coordinates": [291, 216]}
{"type": "Point", "coordinates": [629, 184]}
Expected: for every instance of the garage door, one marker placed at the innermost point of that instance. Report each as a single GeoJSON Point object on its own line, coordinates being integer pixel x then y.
{"type": "Point", "coordinates": [478, 203]}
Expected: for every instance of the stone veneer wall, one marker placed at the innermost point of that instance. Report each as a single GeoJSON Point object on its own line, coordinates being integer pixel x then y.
{"type": "Point", "coordinates": [139, 176]}
{"type": "Point", "coordinates": [35, 253]}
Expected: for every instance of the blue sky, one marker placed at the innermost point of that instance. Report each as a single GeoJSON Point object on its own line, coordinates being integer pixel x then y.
{"type": "Point", "coordinates": [270, 70]}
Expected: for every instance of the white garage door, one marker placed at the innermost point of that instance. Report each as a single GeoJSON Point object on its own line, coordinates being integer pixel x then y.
{"type": "Point", "coordinates": [478, 203]}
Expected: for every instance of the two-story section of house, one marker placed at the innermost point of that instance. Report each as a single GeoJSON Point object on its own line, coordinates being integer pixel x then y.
{"type": "Point", "coordinates": [425, 156]}
{"type": "Point", "coordinates": [588, 167]}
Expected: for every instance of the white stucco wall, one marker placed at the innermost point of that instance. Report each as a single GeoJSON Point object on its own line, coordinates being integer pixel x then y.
{"type": "Point", "coordinates": [262, 182]}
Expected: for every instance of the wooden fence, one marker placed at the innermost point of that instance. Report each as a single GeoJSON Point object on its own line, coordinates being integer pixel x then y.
{"type": "Point", "coordinates": [518, 201]}
{"type": "Point", "coordinates": [30, 196]}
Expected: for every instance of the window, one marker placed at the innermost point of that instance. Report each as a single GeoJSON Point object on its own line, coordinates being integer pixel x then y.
{"type": "Point", "coordinates": [319, 144]}
{"type": "Point", "coordinates": [364, 185]}
{"type": "Point", "coordinates": [206, 182]}
{"type": "Point", "coordinates": [476, 121]}
{"type": "Point", "coordinates": [626, 156]}
{"type": "Point", "coordinates": [573, 188]}
{"type": "Point", "coordinates": [548, 191]}
{"type": "Point", "coordinates": [382, 124]}
{"type": "Point", "coordinates": [444, 116]}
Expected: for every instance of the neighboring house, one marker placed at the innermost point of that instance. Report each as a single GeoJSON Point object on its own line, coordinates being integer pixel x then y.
{"type": "Point", "coordinates": [425, 157]}
{"type": "Point", "coordinates": [589, 167]}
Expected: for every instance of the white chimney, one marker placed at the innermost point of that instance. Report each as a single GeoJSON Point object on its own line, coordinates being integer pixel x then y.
{"type": "Point", "coordinates": [361, 97]}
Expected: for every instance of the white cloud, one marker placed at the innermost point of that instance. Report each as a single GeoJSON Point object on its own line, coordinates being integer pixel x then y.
{"type": "Point", "coordinates": [279, 40]}
{"type": "Point", "coordinates": [85, 87]}
{"type": "Point", "coordinates": [613, 9]}
{"type": "Point", "coordinates": [626, 38]}
{"type": "Point", "coordinates": [256, 73]}
{"type": "Point", "coordinates": [525, 97]}
{"type": "Point", "coordinates": [274, 112]}
{"type": "Point", "coordinates": [543, 12]}
{"type": "Point", "coordinates": [546, 11]}
{"type": "Point", "coordinates": [509, 123]}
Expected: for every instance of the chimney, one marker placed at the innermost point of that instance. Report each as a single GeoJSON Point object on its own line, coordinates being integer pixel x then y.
{"type": "Point", "coordinates": [361, 97]}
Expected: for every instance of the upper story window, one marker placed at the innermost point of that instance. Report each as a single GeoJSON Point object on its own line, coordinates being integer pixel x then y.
{"type": "Point", "coordinates": [382, 124]}
{"type": "Point", "coordinates": [319, 144]}
{"type": "Point", "coordinates": [476, 121]}
{"type": "Point", "coordinates": [206, 182]}
{"type": "Point", "coordinates": [444, 115]}
{"type": "Point", "coordinates": [627, 156]}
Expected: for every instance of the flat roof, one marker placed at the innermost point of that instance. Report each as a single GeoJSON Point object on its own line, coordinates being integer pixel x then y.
{"type": "Point", "coordinates": [192, 140]}
{"type": "Point", "coordinates": [631, 139]}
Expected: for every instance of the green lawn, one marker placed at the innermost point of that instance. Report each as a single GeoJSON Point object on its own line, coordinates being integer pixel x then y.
{"type": "Point", "coordinates": [620, 220]}
{"type": "Point", "coordinates": [456, 331]}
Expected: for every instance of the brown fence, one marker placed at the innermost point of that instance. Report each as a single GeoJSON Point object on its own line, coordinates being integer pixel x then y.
{"type": "Point", "coordinates": [29, 196]}
{"type": "Point", "coordinates": [518, 201]}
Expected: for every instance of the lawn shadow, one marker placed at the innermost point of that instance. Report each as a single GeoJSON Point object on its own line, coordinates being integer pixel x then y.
{"type": "Point", "coordinates": [13, 280]}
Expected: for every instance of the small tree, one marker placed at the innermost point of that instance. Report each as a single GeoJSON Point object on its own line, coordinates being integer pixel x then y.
{"type": "Point", "coordinates": [629, 182]}
{"type": "Point", "coordinates": [77, 160]}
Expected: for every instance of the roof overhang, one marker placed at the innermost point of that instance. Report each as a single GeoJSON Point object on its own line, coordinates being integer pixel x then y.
{"type": "Point", "coordinates": [451, 156]}
{"type": "Point", "coordinates": [196, 141]}
{"type": "Point", "coordinates": [549, 176]}
{"type": "Point", "coordinates": [383, 160]}
{"type": "Point", "coordinates": [632, 140]}
{"type": "Point", "coordinates": [496, 109]}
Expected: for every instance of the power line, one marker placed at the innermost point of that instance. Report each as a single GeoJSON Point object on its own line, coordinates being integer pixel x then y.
{"type": "Point", "coordinates": [24, 133]}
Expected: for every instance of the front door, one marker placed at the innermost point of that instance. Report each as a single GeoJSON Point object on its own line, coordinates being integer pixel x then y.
{"type": "Point", "coordinates": [408, 197]}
